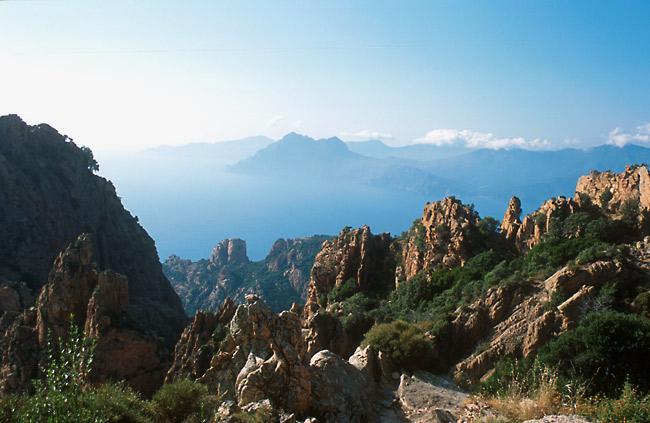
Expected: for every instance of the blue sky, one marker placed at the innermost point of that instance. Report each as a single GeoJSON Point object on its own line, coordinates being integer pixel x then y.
{"type": "Point", "coordinates": [124, 75]}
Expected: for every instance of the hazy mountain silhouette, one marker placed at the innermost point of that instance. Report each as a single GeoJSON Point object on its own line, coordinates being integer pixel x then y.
{"type": "Point", "coordinates": [299, 153]}
{"type": "Point", "coordinates": [225, 153]}
{"type": "Point", "coordinates": [418, 152]}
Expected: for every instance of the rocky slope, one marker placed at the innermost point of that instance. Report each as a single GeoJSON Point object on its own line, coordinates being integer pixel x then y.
{"type": "Point", "coordinates": [48, 197]}
{"type": "Point", "coordinates": [110, 278]}
{"type": "Point", "coordinates": [483, 293]}
{"type": "Point", "coordinates": [367, 259]}
{"type": "Point", "coordinates": [262, 359]}
{"type": "Point", "coordinates": [281, 278]}
{"type": "Point", "coordinates": [510, 319]}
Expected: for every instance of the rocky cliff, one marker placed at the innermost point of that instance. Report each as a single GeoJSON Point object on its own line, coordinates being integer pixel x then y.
{"type": "Point", "coordinates": [95, 301]}
{"type": "Point", "coordinates": [110, 279]}
{"type": "Point", "coordinates": [447, 235]}
{"type": "Point", "coordinates": [49, 195]}
{"type": "Point", "coordinates": [522, 305]}
{"type": "Point", "coordinates": [281, 278]}
{"type": "Point", "coordinates": [632, 184]}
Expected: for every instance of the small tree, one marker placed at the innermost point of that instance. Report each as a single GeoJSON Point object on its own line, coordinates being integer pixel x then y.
{"type": "Point", "coordinates": [92, 164]}
{"type": "Point", "coordinates": [59, 395]}
{"type": "Point", "coordinates": [605, 198]}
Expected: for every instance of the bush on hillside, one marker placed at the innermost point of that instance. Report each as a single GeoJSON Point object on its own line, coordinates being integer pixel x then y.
{"type": "Point", "coordinates": [178, 401]}
{"type": "Point", "coordinates": [604, 351]}
{"type": "Point", "coordinates": [405, 343]}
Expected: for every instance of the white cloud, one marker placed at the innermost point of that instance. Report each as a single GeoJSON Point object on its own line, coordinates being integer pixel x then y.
{"type": "Point", "coordinates": [470, 139]}
{"type": "Point", "coordinates": [570, 142]}
{"type": "Point", "coordinates": [297, 123]}
{"type": "Point", "coordinates": [619, 138]}
{"type": "Point", "coordinates": [366, 135]}
{"type": "Point", "coordinates": [274, 121]}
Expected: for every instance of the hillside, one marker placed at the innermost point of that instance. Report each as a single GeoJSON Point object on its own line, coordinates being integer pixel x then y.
{"type": "Point", "coordinates": [296, 154]}
{"type": "Point", "coordinates": [63, 226]}
{"type": "Point", "coordinates": [561, 292]}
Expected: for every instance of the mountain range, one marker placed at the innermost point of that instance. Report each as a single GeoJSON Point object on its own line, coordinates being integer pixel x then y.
{"type": "Point", "coordinates": [302, 186]}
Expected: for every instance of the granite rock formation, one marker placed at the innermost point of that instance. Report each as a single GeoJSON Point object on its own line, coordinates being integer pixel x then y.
{"type": "Point", "coordinates": [281, 278]}
{"type": "Point", "coordinates": [441, 237]}
{"type": "Point", "coordinates": [49, 195]}
{"type": "Point", "coordinates": [263, 360]}
{"type": "Point", "coordinates": [110, 278]}
{"type": "Point", "coordinates": [97, 302]}
{"type": "Point", "coordinates": [632, 184]}
{"type": "Point", "coordinates": [355, 254]}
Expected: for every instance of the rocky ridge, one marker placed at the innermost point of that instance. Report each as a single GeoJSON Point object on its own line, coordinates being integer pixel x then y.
{"type": "Point", "coordinates": [110, 278]}
{"type": "Point", "coordinates": [355, 254]}
{"type": "Point", "coordinates": [281, 278]}
{"type": "Point", "coordinates": [511, 320]}
{"type": "Point", "coordinates": [440, 237]}
{"type": "Point", "coordinates": [49, 195]}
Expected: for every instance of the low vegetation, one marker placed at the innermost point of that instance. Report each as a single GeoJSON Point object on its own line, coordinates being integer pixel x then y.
{"type": "Point", "coordinates": [599, 369]}
{"type": "Point", "coordinates": [63, 395]}
{"type": "Point", "coordinates": [405, 343]}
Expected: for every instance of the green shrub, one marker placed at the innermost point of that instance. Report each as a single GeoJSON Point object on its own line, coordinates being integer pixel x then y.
{"type": "Point", "coordinates": [554, 253]}
{"type": "Point", "coordinates": [605, 198]}
{"type": "Point", "coordinates": [261, 415]}
{"type": "Point", "coordinates": [604, 351]}
{"type": "Point", "coordinates": [519, 378]}
{"type": "Point", "coordinates": [599, 251]}
{"type": "Point", "coordinates": [630, 407]}
{"type": "Point", "coordinates": [405, 343]}
{"type": "Point", "coordinates": [630, 211]}
{"type": "Point", "coordinates": [9, 406]}
{"type": "Point", "coordinates": [343, 291]}
{"type": "Point", "coordinates": [557, 297]}
{"type": "Point", "coordinates": [116, 402]}
{"type": "Point", "coordinates": [355, 310]}
{"type": "Point", "coordinates": [642, 303]}
{"type": "Point", "coordinates": [177, 401]}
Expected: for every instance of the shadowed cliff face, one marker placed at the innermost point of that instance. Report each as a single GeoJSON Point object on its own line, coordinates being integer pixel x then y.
{"type": "Point", "coordinates": [48, 197]}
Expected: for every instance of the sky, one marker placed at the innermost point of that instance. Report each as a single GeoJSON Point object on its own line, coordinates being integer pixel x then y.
{"type": "Point", "coordinates": [128, 75]}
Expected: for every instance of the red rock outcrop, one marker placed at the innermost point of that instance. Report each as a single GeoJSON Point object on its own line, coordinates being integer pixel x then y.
{"type": "Point", "coordinates": [606, 190]}
{"type": "Point", "coordinates": [632, 184]}
{"type": "Point", "coordinates": [229, 252]}
{"type": "Point", "coordinates": [97, 302]}
{"type": "Point", "coordinates": [262, 361]}
{"type": "Point", "coordinates": [199, 342]}
{"type": "Point", "coordinates": [262, 356]}
{"type": "Point", "coordinates": [528, 233]}
{"type": "Point", "coordinates": [511, 221]}
{"type": "Point", "coordinates": [281, 278]}
{"type": "Point", "coordinates": [355, 254]}
{"type": "Point", "coordinates": [440, 237]}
